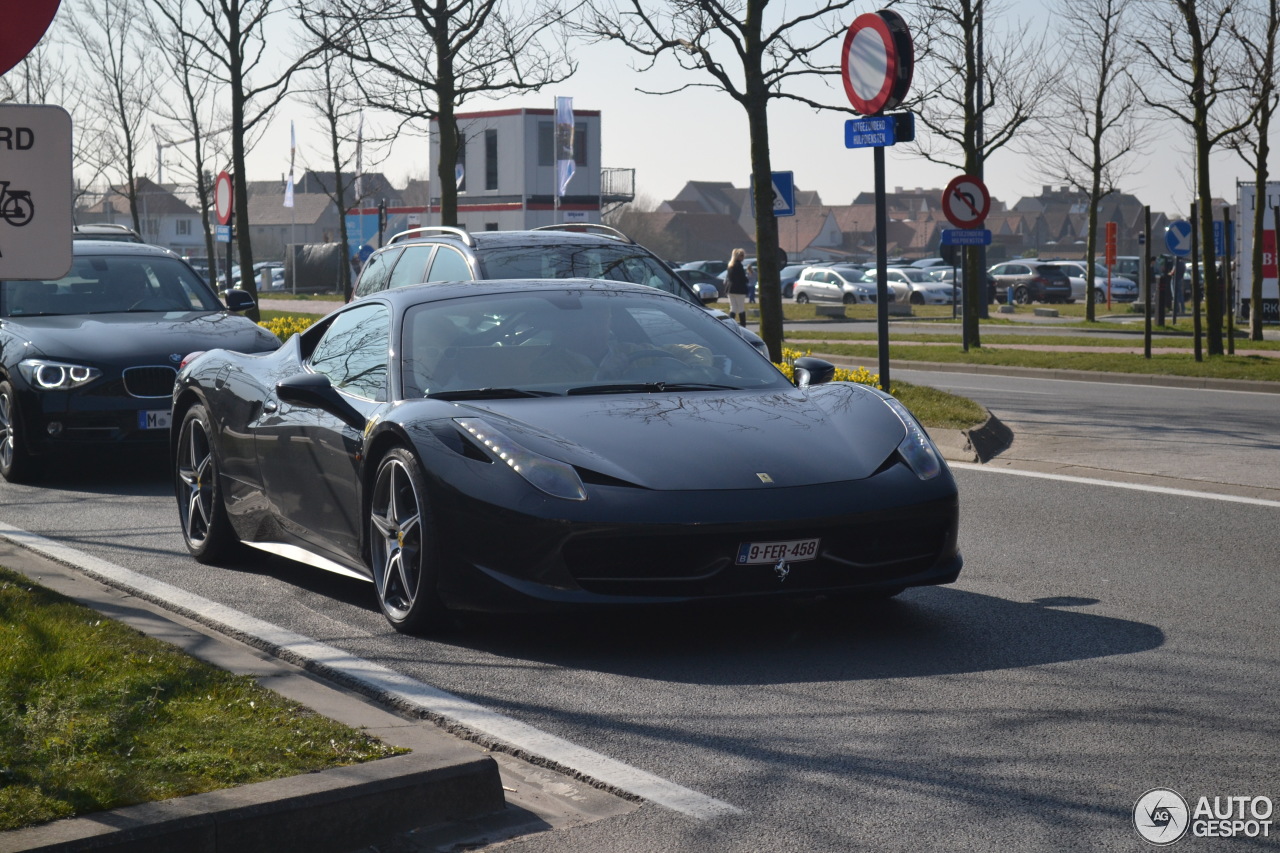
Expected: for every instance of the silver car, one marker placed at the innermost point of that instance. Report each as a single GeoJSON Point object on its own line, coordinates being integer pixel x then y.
{"type": "Point", "coordinates": [1122, 289]}
{"type": "Point", "coordinates": [840, 284]}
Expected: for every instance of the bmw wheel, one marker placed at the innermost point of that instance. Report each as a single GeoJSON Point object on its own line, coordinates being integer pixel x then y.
{"type": "Point", "coordinates": [16, 464]}
{"type": "Point", "coordinates": [205, 526]}
{"type": "Point", "coordinates": [403, 552]}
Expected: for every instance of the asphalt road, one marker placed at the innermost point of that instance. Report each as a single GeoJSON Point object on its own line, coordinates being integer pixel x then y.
{"type": "Point", "coordinates": [1103, 640]}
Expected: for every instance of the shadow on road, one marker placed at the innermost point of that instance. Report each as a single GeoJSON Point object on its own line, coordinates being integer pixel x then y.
{"type": "Point", "coordinates": [924, 632]}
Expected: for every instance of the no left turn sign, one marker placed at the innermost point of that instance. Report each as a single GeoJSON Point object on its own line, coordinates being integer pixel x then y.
{"type": "Point", "coordinates": [965, 202]}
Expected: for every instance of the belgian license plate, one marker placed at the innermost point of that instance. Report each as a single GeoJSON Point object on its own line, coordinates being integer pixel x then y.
{"type": "Point", "coordinates": [155, 419]}
{"type": "Point", "coordinates": [754, 553]}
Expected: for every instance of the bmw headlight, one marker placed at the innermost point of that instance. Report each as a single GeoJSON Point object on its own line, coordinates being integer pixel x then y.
{"type": "Point", "coordinates": [56, 375]}
{"type": "Point", "coordinates": [552, 476]}
{"type": "Point", "coordinates": [917, 449]}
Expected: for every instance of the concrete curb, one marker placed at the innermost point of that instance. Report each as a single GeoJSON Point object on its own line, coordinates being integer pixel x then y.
{"type": "Point", "coordinates": [443, 779]}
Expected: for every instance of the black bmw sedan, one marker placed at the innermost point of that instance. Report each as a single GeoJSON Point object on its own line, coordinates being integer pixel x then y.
{"type": "Point", "coordinates": [89, 360]}
{"type": "Point", "coordinates": [512, 444]}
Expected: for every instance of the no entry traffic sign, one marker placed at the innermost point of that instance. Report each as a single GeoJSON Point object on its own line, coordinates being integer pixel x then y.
{"type": "Point", "coordinates": [222, 198]}
{"type": "Point", "coordinates": [965, 202]}
{"type": "Point", "coordinates": [877, 62]}
{"type": "Point", "coordinates": [24, 25]}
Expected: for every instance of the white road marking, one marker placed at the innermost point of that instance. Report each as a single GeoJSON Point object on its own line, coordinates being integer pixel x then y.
{"type": "Point", "coordinates": [385, 682]}
{"type": "Point", "coordinates": [1137, 487]}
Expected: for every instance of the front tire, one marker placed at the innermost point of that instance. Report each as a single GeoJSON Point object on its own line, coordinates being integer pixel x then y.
{"type": "Point", "coordinates": [1022, 296]}
{"type": "Point", "coordinates": [17, 465]}
{"type": "Point", "coordinates": [197, 482]}
{"type": "Point", "coordinates": [802, 298]}
{"type": "Point", "coordinates": [403, 550]}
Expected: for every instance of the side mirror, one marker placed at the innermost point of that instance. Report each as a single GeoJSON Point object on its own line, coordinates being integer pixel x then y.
{"type": "Point", "coordinates": [314, 391]}
{"type": "Point", "coordinates": [237, 300]}
{"type": "Point", "coordinates": [813, 371]}
{"type": "Point", "coordinates": [706, 293]}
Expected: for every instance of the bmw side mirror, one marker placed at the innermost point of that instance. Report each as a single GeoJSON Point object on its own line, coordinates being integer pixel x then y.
{"type": "Point", "coordinates": [813, 371]}
{"type": "Point", "coordinates": [237, 300]}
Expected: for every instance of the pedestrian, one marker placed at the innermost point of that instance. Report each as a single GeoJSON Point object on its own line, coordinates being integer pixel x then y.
{"type": "Point", "coordinates": [735, 277]}
{"type": "Point", "coordinates": [753, 277]}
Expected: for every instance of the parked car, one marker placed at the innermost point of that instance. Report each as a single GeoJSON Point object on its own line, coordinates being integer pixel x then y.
{"type": "Point", "coordinates": [912, 284]}
{"type": "Point", "coordinates": [108, 231]}
{"type": "Point", "coordinates": [949, 274]}
{"type": "Point", "coordinates": [1122, 289]}
{"type": "Point", "coordinates": [713, 267]}
{"type": "Point", "coordinates": [1031, 281]}
{"type": "Point", "coordinates": [484, 445]}
{"type": "Point", "coordinates": [836, 284]}
{"type": "Point", "coordinates": [787, 278]}
{"type": "Point", "coordinates": [88, 361]}
{"type": "Point", "coordinates": [693, 277]}
{"type": "Point", "coordinates": [930, 263]}
{"type": "Point", "coordinates": [441, 253]}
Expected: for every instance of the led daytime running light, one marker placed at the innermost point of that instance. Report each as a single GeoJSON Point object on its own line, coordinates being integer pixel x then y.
{"type": "Point", "coordinates": [57, 376]}
{"type": "Point", "coordinates": [542, 472]}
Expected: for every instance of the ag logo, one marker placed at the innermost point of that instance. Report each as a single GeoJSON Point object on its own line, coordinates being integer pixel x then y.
{"type": "Point", "coordinates": [1160, 816]}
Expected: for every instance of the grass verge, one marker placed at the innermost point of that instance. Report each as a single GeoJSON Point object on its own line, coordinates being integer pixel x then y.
{"type": "Point", "coordinates": [95, 716]}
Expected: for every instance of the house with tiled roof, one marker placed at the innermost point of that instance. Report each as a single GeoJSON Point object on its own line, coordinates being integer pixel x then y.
{"type": "Point", "coordinates": [165, 218]}
{"type": "Point", "coordinates": [272, 226]}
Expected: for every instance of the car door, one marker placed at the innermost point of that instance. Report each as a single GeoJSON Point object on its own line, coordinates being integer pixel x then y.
{"type": "Point", "coordinates": [309, 457]}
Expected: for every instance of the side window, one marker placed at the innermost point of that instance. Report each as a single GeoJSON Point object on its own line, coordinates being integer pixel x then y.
{"type": "Point", "coordinates": [353, 351]}
{"type": "Point", "coordinates": [377, 270]}
{"type": "Point", "coordinates": [412, 266]}
{"type": "Point", "coordinates": [449, 265]}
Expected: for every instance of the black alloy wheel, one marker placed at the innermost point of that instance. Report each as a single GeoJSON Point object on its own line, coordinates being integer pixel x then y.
{"type": "Point", "coordinates": [17, 465]}
{"type": "Point", "coordinates": [403, 551]}
{"type": "Point", "coordinates": [203, 515]}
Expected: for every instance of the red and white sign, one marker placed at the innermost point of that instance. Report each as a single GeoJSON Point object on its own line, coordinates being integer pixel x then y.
{"type": "Point", "coordinates": [965, 202]}
{"type": "Point", "coordinates": [24, 26]}
{"type": "Point", "coordinates": [877, 62]}
{"type": "Point", "coordinates": [222, 198]}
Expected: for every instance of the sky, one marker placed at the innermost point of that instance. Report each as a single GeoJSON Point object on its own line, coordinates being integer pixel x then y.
{"type": "Point", "coordinates": [701, 134]}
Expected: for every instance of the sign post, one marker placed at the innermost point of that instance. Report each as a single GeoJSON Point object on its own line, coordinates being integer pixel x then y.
{"type": "Point", "coordinates": [876, 66]}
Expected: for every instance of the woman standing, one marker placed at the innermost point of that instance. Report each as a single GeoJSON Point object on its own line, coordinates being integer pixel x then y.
{"type": "Point", "coordinates": [736, 278]}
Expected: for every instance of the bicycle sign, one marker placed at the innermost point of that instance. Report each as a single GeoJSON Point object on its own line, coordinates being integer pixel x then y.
{"type": "Point", "coordinates": [35, 146]}
{"type": "Point", "coordinates": [16, 206]}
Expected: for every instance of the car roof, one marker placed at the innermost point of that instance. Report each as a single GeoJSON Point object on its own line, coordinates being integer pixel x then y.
{"type": "Point", "coordinates": [587, 234]}
{"type": "Point", "coordinates": [436, 291]}
{"type": "Point", "coordinates": [118, 247]}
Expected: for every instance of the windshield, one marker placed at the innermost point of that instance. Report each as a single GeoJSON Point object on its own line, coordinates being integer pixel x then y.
{"type": "Point", "coordinates": [606, 260]}
{"type": "Point", "coordinates": [107, 284]}
{"type": "Point", "coordinates": [572, 341]}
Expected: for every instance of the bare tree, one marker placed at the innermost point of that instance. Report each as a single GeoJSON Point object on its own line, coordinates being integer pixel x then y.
{"type": "Point", "coordinates": [1257, 32]}
{"type": "Point", "coordinates": [46, 77]}
{"type": "Point", "coordinates": [1190, 44]}
{"type": "Point", "coordinates": [195, 113]}
{"type": "Point", "coordinates": [422, 59]}
{"type": "Point", "coordinates": [331, 92]}
{"type": "Point", "coordinates": [973, 96]}
{"type": "Point", "coordinates": [753, 53]}
{"type": "Point", "coordinates": [106, 32]}
{"type": "Point", "coordinates": [1093, 137]}
{"type": "Point", "coordinates": [235, 52]}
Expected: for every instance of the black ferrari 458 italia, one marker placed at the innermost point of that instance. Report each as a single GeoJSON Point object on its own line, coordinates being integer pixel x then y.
{"type": "Point", "coordinates": [516, 445]}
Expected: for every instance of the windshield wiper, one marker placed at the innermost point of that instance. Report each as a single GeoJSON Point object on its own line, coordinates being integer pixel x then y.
{"type": "Point", "coordinates": [488, 394]}
{"type": "Point", "coordinates": [649, 388]}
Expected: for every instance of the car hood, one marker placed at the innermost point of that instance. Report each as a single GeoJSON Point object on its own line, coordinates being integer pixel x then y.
{"type": "Point", "coordinates": [708, 440]}
{"type": "Point", "coordinates": [125, 338]}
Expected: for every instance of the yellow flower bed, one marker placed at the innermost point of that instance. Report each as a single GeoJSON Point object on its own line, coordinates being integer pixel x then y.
{"type": "Point", "coordinates": [286, 327]}
{"type": "Point", "coordinates": [843, 374]}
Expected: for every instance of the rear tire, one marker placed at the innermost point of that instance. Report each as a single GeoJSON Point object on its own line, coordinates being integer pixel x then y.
{"type": "Point", "coordinates": [404, 553]}
{"type": "Point", "coordinates": [198, 484]}
{"type": "Point", "coordinates": [17, 465]}
{"type": "Point", "coordinates": [1022, 296]}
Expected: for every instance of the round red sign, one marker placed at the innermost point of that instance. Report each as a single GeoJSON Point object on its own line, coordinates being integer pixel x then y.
{"type": "Point", "coordinates": [877, 62]}
{"type": "Point", "coordinates": [965, 201]}
{"type": "Point", "coordinates": [222, 198]}
{"type": "Point", "coordinates": [24, 25]}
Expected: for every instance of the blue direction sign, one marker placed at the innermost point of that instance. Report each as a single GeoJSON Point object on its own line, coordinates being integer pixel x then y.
{"type": "Point", "coordinates": [222, 233]}
{"type": "Point", "coordinates": [1177, 238]}
{"type": "Point", "coordinates": [1219, 249]}
{"type": "Point", "coordinates": [966, 237]}
{"type": "Point", "coordinates": [880, 131]}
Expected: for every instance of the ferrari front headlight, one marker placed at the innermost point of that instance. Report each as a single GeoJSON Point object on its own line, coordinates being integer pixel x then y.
{"type": "Point", "coordinates": [55, 375]}
{"type": "Point", "coordinates": [552, 476]}
{"type": "Point", "coordinates": [916, 448]}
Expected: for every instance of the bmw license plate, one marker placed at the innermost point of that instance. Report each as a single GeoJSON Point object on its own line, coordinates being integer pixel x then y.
{"type": "Point", "coordinates": [754, 553]}
{"type": "Point", "coordinates": [154, 419]}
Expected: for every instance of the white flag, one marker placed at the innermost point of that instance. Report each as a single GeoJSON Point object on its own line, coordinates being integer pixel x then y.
{"type": "Point", "coordinates": [293, 148]}
{"type": "Point", "coordinates": [359, 155]}
{"type": "Point", "coordinates": [564, 144]}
